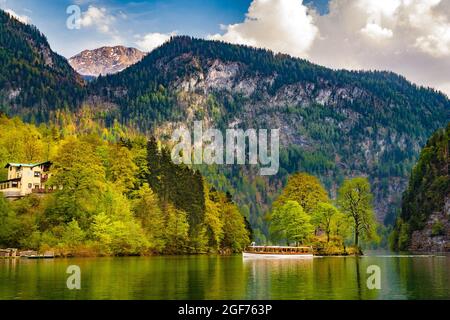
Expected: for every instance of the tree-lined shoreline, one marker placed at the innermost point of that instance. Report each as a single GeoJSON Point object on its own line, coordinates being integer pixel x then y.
{"type": "Point", "coordinates": [109, 200]}
{"type": "Point", "coordinates": [119, 194]}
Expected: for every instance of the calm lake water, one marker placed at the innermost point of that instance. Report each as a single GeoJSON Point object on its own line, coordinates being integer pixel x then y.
{"type": "Point", "coordinates": [213, 277]}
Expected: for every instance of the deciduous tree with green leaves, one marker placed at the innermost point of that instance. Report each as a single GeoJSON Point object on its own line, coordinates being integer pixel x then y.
{"type": "Point", "coordinates": [73, 235]}
{"type": "Point", "coordinates": [79, 175]}
{"type": "Point", "coordinates": [355, 201]}
{"type": "Point", "coordinates": [236, 235]}
{"type": "Point", "coordinates": [146, 208]}
{"type": "Point", "coordinates": [324, 216]}
{"type": "Point", "coordinates": [213, 218]}
{"type": "Point", "coordinates": [291, 223]}
{"type": "Point", "coordinates": [306, 190]}
{"type": "Point", "coordinates": [176, 229]}
{"type": "Point", "coordinates": [122, 170]}
{"type": "Point", "coordinates": [9, 224]}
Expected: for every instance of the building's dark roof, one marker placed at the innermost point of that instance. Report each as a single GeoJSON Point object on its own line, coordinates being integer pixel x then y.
{"type": "Point", "coordinates": [28, 165]}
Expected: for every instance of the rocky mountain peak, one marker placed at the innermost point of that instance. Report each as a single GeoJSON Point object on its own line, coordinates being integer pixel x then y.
{"type": "Point", "coordinates": [105, 60]}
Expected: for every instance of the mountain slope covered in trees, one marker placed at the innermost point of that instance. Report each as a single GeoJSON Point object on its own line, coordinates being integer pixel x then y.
{"type": "Point", "coordinates": [424, 222]}
{"type": "Point", "coordinates": [334, 124]}
{"type": "Point", "coordinates": [34, 80]}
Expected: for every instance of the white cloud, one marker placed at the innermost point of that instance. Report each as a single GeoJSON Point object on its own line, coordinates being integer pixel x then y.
{"type": "Point", "coordinates": [22, 18]}
{"type": "Point", "coordinates": [98, 18]}
{"type": "Point", "coordinates": [280, 25]}
{"type": "Point", "coordinates": [105, 23]}
{"type": "Point", "coordinates": [377, 8]}
{"type": "Point", "coordinates": [410, 37]}
{"type": "Point", "coordinates": [437, 43]}
{"type": "Point", "coordinates": [151, 41]}
{"type": "Point", "coordinates": [377, 32]}
{"type": "Point", "coordinates": [431, 21]}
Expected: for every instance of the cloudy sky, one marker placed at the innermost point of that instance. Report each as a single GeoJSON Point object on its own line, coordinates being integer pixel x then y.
{"type": "Point", "coordinates": [410, 37]}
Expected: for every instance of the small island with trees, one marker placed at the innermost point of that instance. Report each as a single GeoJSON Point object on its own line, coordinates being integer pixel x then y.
{"type": "Point", "coordinates": [305, 215]}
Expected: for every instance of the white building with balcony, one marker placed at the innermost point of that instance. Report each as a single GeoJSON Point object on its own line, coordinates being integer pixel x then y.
{"type": "Point", "coordinates": [25, 179]}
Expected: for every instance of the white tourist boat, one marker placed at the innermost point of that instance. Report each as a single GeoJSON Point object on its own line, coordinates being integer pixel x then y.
{"type": "Point", "coordinates": [278, 252]}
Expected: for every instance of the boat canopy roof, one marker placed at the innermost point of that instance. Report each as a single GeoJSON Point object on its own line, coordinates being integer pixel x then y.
{"type": "Point", "coordinates": [281, 247]}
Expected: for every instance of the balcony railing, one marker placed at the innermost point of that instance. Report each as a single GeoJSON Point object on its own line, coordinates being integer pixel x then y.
{"type": "Point", "coordinates": [42, 191]}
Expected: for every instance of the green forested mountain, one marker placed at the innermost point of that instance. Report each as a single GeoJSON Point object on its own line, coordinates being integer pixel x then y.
{"type": "Point", "coordinates": [424, 220]}
{"type": "Point", "coordinates": [148, 91]}
{"type": "Point", "coordinates": [34, 81]}
{"type": "Point", "coordinates": [334, 124]}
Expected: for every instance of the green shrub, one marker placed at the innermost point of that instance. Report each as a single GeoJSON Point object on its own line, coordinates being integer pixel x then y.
{"type": "Point", "coordinates": [437, 229]}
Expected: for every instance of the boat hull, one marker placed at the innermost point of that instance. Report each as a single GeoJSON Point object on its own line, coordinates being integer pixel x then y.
{"type": "Point", "coordinates": [249, 255]}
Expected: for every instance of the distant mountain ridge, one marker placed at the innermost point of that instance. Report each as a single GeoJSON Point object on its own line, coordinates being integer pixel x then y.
{"type": "Point", "coordinates": [105, 60]}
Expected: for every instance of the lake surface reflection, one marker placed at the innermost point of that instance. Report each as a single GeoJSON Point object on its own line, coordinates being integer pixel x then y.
{"type": "Point", "coordinates": [215, 277]}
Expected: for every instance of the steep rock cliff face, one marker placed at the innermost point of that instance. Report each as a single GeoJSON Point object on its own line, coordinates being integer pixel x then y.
{"type": "Point", "coordinates": [435, 236]}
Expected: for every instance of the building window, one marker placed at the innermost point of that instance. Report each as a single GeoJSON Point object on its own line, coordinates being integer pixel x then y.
{"type": "Point", "coordinates": [37, 174]}
{"type": "Point", "coordinates": [30, 186]}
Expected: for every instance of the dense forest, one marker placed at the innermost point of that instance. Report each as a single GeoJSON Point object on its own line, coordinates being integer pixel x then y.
{"type": "Point", "coordinates": [335, 124]}
{"type": "Point", "coordinates": [34, 81]}
{"type": "Point", "coordinates": [376, 127]}
{"type": "Point", "coordinates": [148, 85]}
{"type": "Point", "coordinates": [118, 193]}
{"type": "Point", "coordinates": [111, 198]}
{"type": "Point", "coordinates": [427, 193]}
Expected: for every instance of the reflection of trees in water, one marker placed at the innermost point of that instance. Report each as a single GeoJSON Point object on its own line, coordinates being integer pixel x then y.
{"type": "Point", "coordinates": [214, 277]}
{"type": "Point", "coordinates": [335, 278]}
{"type": "Point", "coordinates": [423, 277]}
{"type": "Point", "coordinates": [33, 279]}
{"type": "Point", "coordinates": [203, 277]}
{"type": "Point", "coordinates": [227, 279]}
{"type": "Point", "coordinates": [358, 278]}
{"type": "Point", "coordinates": [279, 278]}
{"type": "Point", "coordinates": [361, 275]}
